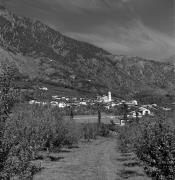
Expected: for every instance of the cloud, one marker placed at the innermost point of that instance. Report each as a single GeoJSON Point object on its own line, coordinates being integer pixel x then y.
{"type": "Point", "coordinates": [133, 39]}
{"type": "Point", "coordinates": [119, 26]}
{"type": "Point", "coordinates": [100, 41]}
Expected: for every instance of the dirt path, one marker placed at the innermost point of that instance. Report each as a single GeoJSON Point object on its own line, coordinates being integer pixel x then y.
{"type": "Point", "coordinates": [97, 160]}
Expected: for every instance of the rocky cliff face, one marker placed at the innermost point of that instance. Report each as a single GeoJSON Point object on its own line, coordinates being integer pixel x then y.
{"type": "Point", "coordinates": [43, 54]}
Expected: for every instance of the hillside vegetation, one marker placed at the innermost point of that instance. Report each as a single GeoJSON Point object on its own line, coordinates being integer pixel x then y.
{"type": "Point", "coordinates": [42, 54]}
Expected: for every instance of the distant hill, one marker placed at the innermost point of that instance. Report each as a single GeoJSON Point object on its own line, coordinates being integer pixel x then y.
{"type": "Point", "coordinates": [171, 59]}
{"type": "Point", "coordinates": [45, 56]}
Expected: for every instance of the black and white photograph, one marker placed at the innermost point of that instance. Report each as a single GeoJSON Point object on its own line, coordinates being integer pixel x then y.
{"type": "Point", "coordinates": [87, 89]}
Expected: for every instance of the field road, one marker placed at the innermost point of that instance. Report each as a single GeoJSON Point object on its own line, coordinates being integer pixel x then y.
{"type": "Point", "coordinates": [95, 160]}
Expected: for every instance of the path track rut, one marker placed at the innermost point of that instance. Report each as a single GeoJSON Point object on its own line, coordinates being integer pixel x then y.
{"type": "Point", "coordinates": [96, 160]}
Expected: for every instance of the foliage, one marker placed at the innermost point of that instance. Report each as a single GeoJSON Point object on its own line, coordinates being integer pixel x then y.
{"type": "Point", "coordinates": [30, 129]}
{"type": "Point", "coordinates": [152, 139]}
{"type": "Point", "coordinates": [42, 126]}
{"type": "Point", "coordinates": [104, 130]}
{"type": "Point", "coordinates": [92, 130]}
{"type": "Point", "coordinates": [149, 97]}
{"type": "Point", "coordinates": [84, 110]}
{"type": "Point", "coordinates": [26, 129]}
{"type": "Point", "coordinates": [14, 155]}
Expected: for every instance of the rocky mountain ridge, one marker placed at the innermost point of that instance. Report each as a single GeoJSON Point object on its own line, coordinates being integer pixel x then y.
{"type": "Point", "coordinates": [45, 55]}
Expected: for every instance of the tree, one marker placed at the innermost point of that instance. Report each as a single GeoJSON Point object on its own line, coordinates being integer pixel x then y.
{"type": "Point", "coordinates": [155, 148]}
{"type": "Point", "coordinates": [7, 94]}
{"type": "Point", "coordinates": [7, 100]}
{"type": "Point", "coordinates": [125, 111]}
{"type": "Point", "coordinates": [99, 107]}
{"type": "Point", "coordinates": [71, 113]}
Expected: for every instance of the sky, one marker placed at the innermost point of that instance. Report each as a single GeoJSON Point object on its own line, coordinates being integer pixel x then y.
{"type": "Point", "coordinates": [143, 28]}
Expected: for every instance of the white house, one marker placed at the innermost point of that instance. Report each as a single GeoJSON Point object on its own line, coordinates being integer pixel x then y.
{"type": "Point", "coordinates": [132, 103]}
{"type": "Point", "coordinates": [83, 103]}
{"type": "Point", "coordinates": [43, 88]}
{"type": "Point", "coordinates": [32, 102]}
{"type": "Point", "coordinates": [56, 97]}
{"type": "Point", "coordinates": [144, 111]}
{"type": "Point", "coordinates": [133, 114]}
{"type": "Point", "coordinates": [44, 103]}
{"type": "Point", "coordinates": [113, 104]}
{"type": "Point", "coordinates": [122, 122]}
{"type": "Point", "coordinates": [54, 103]}
{"type": "Point", "coordinates": [37, 102]}
{"type": "Point", "coordinates": [106, 99]}
{"type": "Point", "coordinates": [51, 60]}
{"type": "Point", "coordinates": [62, 105]}
{"type": "Point", "coordinates": [166, 109]}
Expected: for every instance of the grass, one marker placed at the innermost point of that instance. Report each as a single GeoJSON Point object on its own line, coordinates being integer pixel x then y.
{"type": "Point", "coordinates": [31, 129]}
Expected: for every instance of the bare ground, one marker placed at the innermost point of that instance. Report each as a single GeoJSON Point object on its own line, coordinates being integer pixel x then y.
{"type": "Point", "coordinates": [96, 160]}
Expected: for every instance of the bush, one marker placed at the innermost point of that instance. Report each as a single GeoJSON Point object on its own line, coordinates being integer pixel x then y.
{"type": "Point", "coordinates": [30, 129]}
{"type": "Point", "coordinates": [152, 139]}
{"type": "Point", "coordinates": [14, 155]}
{"type": "Point", "coordinates": [90, 131]}
{"type": "Point", "coordinates": [73, 133]}
{"type": "Point", "coordinates": [26, 129]}
{"type": "Point", "coordinates": [42, 127]}
{"type": "Point", "coordinates": [104, 130]}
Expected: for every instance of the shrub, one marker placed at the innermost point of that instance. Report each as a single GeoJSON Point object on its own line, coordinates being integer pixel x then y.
{"type": "Point", "coordinates": [14, 155]}
{"type": "Point", "coordinates": [90, 131]}
{"type": "Point", "coordinates": [30, 129]}
{"type": "Point", "coordinates": [104, 130]}
{"type": "Point", "coordinates": [26, 129]}
{"type": "Point", "coordinates": [73, 133]}
{"type": "Point", "coordinates": [152, 139]}
{"type": "Point", "coordinates": [156, 148]}
{"type": "Point", "coordinates": [42, 127]}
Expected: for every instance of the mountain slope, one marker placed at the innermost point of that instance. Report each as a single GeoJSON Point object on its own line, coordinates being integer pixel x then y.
{"type": "Point", "coordinates": [45, 55]}
{"type": "Point", "coordinates": [171, 59]}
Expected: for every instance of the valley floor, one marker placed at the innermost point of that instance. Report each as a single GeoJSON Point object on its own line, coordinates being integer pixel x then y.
{"type": "Point", "coordinates": [105, 118]}
{"type": "Point", "coordinates": [96, 160]}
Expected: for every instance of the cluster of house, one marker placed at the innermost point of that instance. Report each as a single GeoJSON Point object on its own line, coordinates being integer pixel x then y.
{"type": "Point", "coordinates": [134, 110]}
{"type": "Point", "coordinates": [138, 111]}
{"type": "Point", "coordinates": [63, 102]}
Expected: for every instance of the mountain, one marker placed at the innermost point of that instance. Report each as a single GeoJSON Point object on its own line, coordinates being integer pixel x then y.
{"type": "Point", "coordinates": [47, 57]}
{"type": "Point", "coordinates": [171, 59]}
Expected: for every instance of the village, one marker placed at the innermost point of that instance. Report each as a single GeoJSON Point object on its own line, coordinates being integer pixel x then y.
{"type": "Point", "coordinates": [134, 109]}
